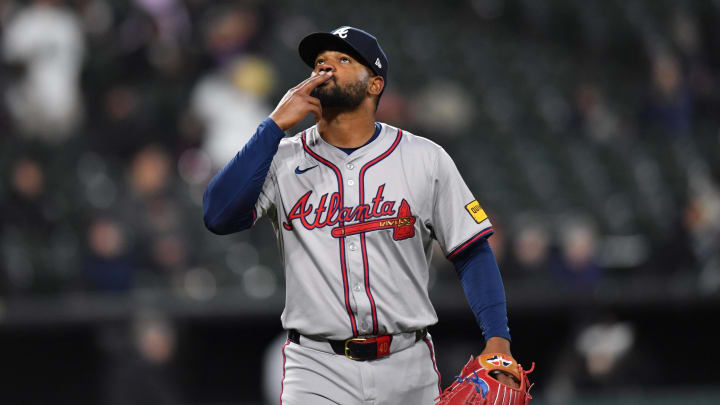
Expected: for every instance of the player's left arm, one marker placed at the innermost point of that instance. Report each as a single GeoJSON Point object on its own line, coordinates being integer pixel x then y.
{"type": "Point", "coordinates": [480, 277]}
{"type": "Point", "coordinates": [461, 227]}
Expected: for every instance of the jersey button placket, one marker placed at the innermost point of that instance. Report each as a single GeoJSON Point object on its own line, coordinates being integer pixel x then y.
{"type": "Point", "coordinates": [351, 181]}
{"type": "Point", "coordinates": [354, 258]}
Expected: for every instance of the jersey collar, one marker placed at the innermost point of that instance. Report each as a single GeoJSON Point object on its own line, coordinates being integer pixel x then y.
{"type": "Point", "coordinates": [332, 153]}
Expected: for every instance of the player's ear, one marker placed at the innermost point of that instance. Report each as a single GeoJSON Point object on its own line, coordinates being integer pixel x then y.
{"type": "Point", "coordinates": [376, 85]}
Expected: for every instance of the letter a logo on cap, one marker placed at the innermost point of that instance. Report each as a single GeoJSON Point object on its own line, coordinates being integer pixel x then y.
{"type": "Point", "coordinates": [341, 32]}
{"type": "Point", "coordinates": [378, 64]}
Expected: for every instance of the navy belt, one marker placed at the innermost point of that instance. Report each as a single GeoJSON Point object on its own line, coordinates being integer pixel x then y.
{"type": "Point", "coordinates": [359, 348]}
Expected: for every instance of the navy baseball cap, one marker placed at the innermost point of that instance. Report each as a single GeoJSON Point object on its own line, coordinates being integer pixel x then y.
{"type": "Point", "coordinates": [353, 41]}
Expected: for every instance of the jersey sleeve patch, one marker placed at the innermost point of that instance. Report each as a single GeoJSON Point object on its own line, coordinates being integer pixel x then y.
{"type": "Point", "coordinates": [476, 211]}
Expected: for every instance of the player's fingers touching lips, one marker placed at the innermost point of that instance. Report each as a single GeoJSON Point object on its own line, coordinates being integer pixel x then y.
{"type": "Point", "coordinates": [324, 77]}
{"type": "Point", "coordinates": [320, 74]}
{"type": "Point", "coordinates": [313, 81]}
{"type": "Point", "coordinates": [332, 79]}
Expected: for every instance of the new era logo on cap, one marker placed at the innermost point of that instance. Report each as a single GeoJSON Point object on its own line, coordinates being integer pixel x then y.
{"type": "Point", "coordinates": [377, 63]}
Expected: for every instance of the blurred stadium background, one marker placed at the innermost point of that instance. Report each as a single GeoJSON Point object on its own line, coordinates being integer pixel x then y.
{"type": "Point", "coordinates": [589, 131]}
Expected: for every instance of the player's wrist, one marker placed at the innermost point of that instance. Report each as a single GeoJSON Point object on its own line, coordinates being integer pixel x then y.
{"type": "Point", "coordinates": [271, 126]}
{"type": "Point", "coordinates": [497, 344]}
{"type": "Point", "coordinates": [282, 125]}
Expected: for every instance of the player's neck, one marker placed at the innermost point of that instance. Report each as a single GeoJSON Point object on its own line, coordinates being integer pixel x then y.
{"type": "Point", "coordinates": [349, 129]}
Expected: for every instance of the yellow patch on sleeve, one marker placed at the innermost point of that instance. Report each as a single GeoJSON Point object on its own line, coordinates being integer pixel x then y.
{"type": "Point", "coordinates": [476, 211]}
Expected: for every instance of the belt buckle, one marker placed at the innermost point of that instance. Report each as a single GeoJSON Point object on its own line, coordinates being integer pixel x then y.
{"type": "Point", "coordinates": [347, 349]}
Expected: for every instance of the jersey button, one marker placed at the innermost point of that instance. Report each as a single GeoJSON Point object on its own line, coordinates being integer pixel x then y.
{"type": "Point", "coordinates": [352, 246]}
{"type": "Point", "coordinates": [365, 326]}
{"type": "Point", "coordinates": [350, 166]}
{"type": "Point", "coordinates": [357, 287]}
{"type": "Point", "coordinates": [351, 182]}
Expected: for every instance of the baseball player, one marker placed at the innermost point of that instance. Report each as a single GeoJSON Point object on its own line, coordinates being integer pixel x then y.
{"type": "Point", "coordinates": [356, 205]}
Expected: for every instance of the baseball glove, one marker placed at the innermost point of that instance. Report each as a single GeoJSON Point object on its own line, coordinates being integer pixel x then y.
{"type": "Point", "coordinates": [476, 385]}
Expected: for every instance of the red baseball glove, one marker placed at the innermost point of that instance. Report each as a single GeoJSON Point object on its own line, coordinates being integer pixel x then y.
{"type": "Point", "coordinates": [476, 385]}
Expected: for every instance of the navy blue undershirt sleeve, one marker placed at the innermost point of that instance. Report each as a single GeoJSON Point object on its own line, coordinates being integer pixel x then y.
{"type": "Point", "coordinates": [480, 277]}
{"type": "Point", "coordinates": [230, 198]}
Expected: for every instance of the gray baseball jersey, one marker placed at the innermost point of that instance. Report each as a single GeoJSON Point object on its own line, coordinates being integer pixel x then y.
{"type": "Point", "coordinates": [355, 231]}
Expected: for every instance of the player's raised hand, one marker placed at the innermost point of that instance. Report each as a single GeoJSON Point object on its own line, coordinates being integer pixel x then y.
{"type": "Point", "coordinates": [297, 102]}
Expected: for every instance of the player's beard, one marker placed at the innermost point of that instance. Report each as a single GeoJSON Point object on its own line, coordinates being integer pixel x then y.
{"type": "Point", "coordinates": [348, 98]}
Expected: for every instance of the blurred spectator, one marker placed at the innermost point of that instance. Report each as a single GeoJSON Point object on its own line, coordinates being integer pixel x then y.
{"type": "Point", "coordinates": [155, 208]}
{"type": "Point", "coordinates": [668, 107]}
{"type": "Point", "coordinates": [231, 100]}
{"type": "Point", "coordinates": [701, 218]}
{"type": "Point", "coordinates": [98, 181]}
{"type": "Point", "coordinates": [108, 266]}
{"type": "Point", "coordinates": [171, 33]}
{"type": "Point", "coordinates": [701, 80]}
{"type": "Point", "coordinates": [123, 124]}
{"type": "Point", "coordinates": [46, 41]}
{"type": "Point", "coordinates": [530, 252]}
{"type": "Point", "coordinates": [443, 108]}
{"type": "Point", "coordinates": [172, 21]}
{"type": "Point", "coordinates": [28, 179]}
{"type": "Point", "coordinates": [150, 172]}
{"type": "Point", "coordinates": [143, 373]}
{"type": "Point", "coordinates": [97, 17]}
{"type": "Point", "coordinates": [229, 31]}
{"type": "Point", "coordinates": [594, 116]}
{"type": "Point", "coordinates": [575, 264]}
{"type": "Point", "coordinates": [603, 345]}
{"type": "Point", "coordinates": [230, 103]}
{"type": "Point", "coordinates": [25, 223]}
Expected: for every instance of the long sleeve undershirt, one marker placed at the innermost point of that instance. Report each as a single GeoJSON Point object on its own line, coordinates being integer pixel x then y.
{"type": "Point", "coordinates": [480, 277]}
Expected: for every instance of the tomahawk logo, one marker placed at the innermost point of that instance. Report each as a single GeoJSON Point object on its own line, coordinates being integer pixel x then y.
{"type": "Point", "coordinates": [499, 361]}
{"type": "Point", "coordinates": [403, 225]}
{"type": "Point", "coordinates": [341, 32]}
